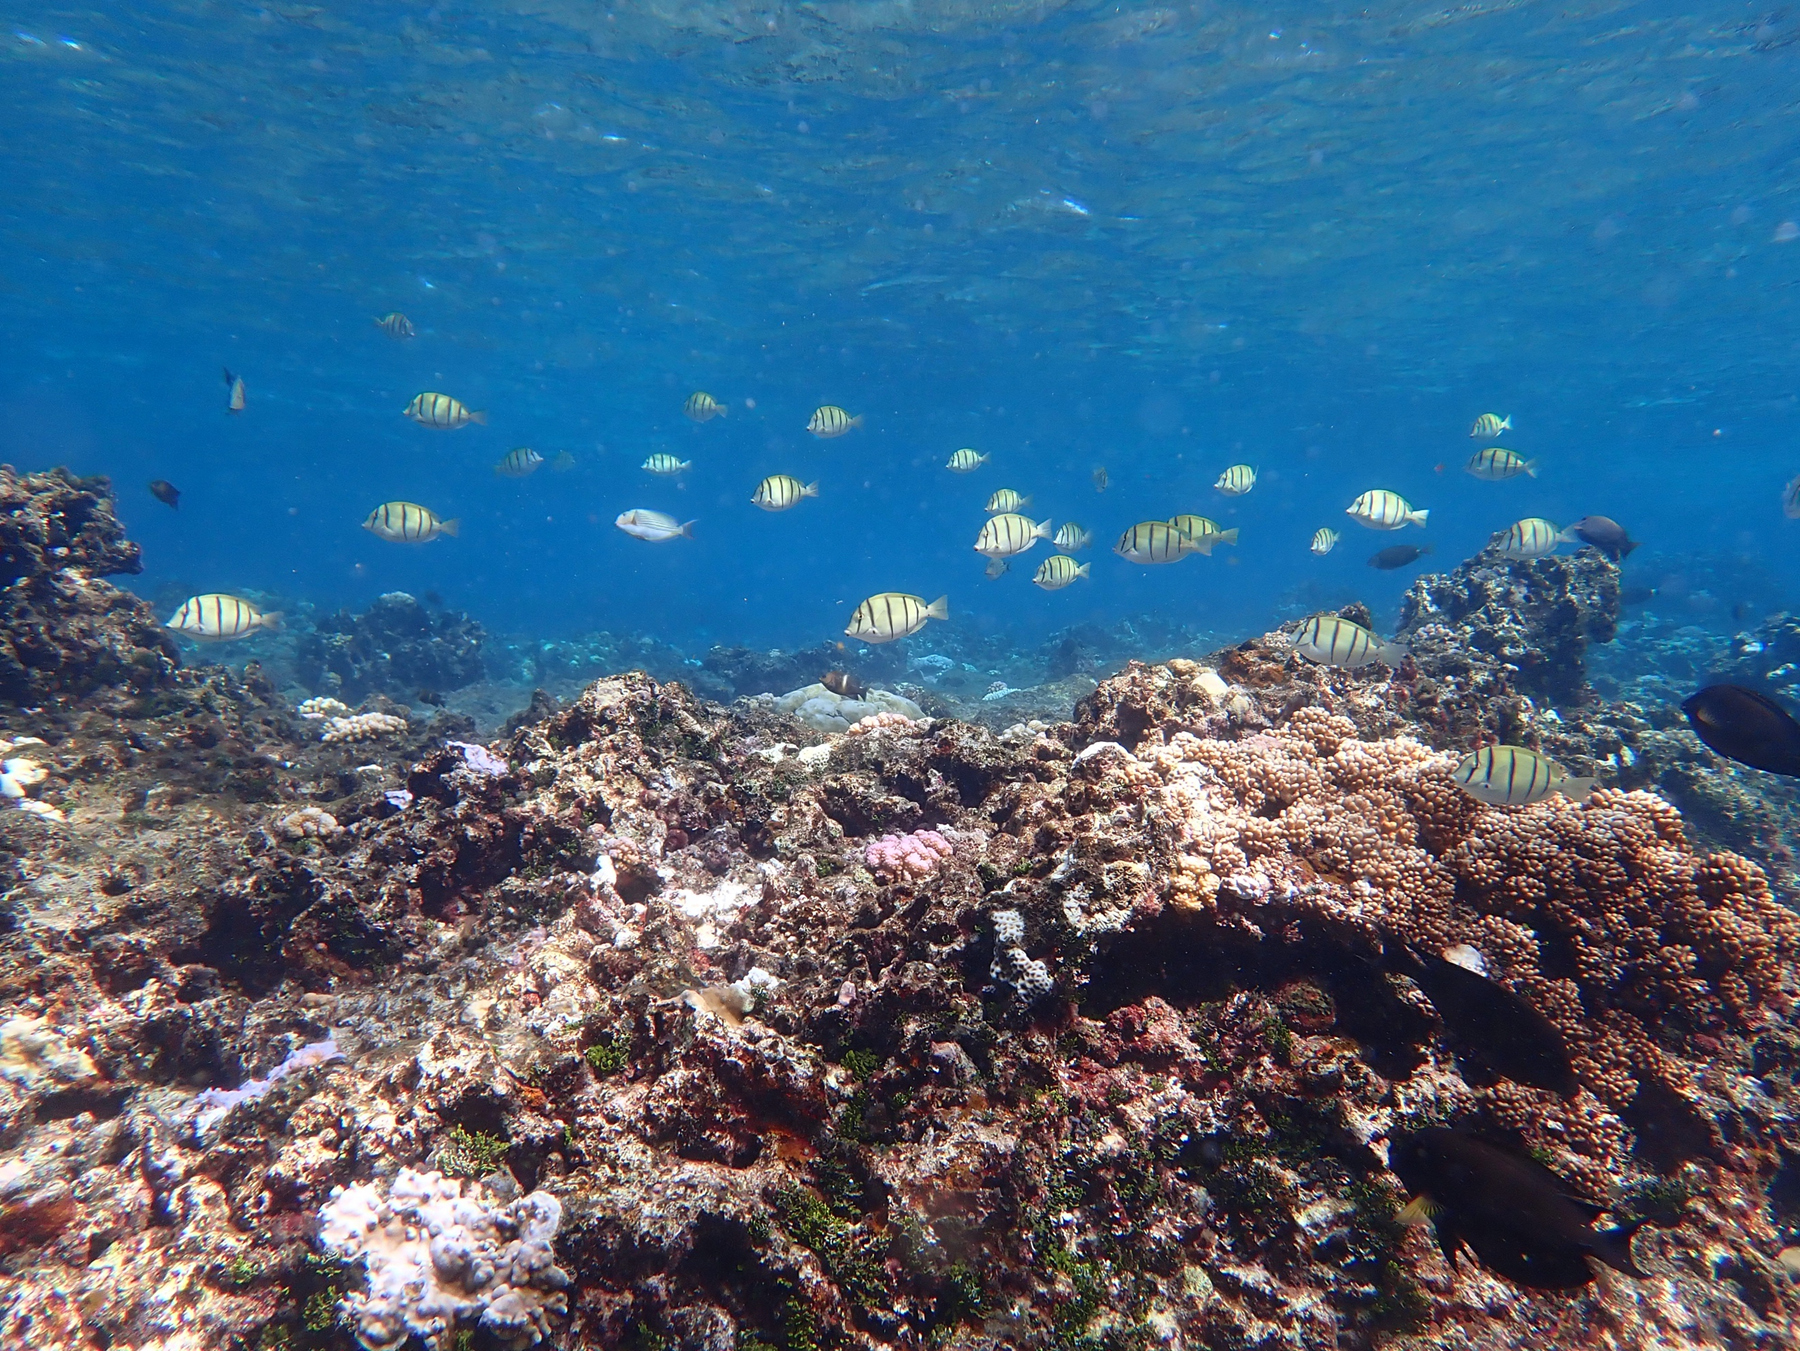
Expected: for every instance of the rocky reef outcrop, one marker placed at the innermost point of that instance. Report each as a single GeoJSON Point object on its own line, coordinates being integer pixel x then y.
{"type": "Point", "coordinates": [396, 647]}
{"type": "Point", "coordinates": [63, 630]}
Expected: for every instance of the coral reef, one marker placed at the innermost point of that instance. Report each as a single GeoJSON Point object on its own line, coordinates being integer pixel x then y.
{"type": "Point", "coordinates": [396, 647]}
{"type": "Point", "coordinates": [63, 630]}
{"type": "Point", "coordinates": [825, 711]}
{"type": "Point", "coordinates": [362, 727]}
{"type": "Point", "coordinates": [914, 855]}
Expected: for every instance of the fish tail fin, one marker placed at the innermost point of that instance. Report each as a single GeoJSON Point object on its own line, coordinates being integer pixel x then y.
{"type": "Point", "coordinates": [1420, 516]}
{"type": "Point", "coordinates": [810, 490]}
{"type": "Point", "coordinates": [1024, 501]}
{"type": "Point", "coordinates": [1418, 1210]}
{"type": "Point", "coordinates": [1506, 423]}
{"type": "Point", "coordinates": [1531, 468]}
{"type": "Point", "coordinates": [1567, 535]}
{"type": "Point", "coordinates": [480, 417]}
{"type": "Point", "coordinates": [451, 527]}
{"type": "Point", "coordinates": [230, 379]}
{"type": "Point", "coordinates": [272, 621]}
{"type": "Point", "coordinates": [1613, 1247]}
{"type": "Point", "coordinates": [1228, 536]}
{"type": "Point", "coordinates": [687, 527]}
{"type": "Point", "coordinates": [1626, 548]}
{"type": "Point", "coordinates": [1202, 546]}
{"type": "Point", "coordinates": [1394, 653]}
{"type": "Point", "coordinates": [857, 421]}
{"type": "Point", "coordinates": [939, 608]}
{"type": "Point", "coordinates": [1083, 570]}
{"type": "Point", "coordinates": [1577, 790]}
{"type": "Point", "coordinates": [724, 409]}
{"type": "Point", "coordinates": [1042, 529]}
{"type": "Point", "coordinates": [1427, 549]}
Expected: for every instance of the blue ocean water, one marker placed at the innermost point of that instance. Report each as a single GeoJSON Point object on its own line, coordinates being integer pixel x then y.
{"type": "Point", "coordinates": [1155, 239]}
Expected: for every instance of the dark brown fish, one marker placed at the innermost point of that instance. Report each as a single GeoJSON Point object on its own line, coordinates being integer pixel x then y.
{"type": "Point", "coordinates": [164, 491]}
{"type": "Point", "coordinates": [1604, 533]}
{"type": "Point", "coordinates": [843, 684]}
{"type": "Point", "coordinates": [1746, 726]}
{"type": "Point", "coordinates": [1398, 556]}
{"type": "Point", "coordinates": [433, 698]}
{"type": "Point", "coordinates": [1514, 1214]}
{"type": "Point", "coordinates": [1494, 1029]}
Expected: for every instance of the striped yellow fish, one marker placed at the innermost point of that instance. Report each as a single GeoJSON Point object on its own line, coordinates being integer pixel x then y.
{"type": "Point", "coordinates": [1496, 463]}
{"type": "Point", "coordinates": [1154, 542]}
{"type": "Point", "coordinates": [702, 407]}
{"type": "Point", "coordinates": [1324, 540]}
{"type": "Point", "coordinates": [1058, 570]}
{"type": "Point", "coordinates": [778, 492]}
{"type": "Point", "coordinates": [217, 618]}
{"type": "Point", "coordinates": [828, 420]}
{"type": "Point", "coordinates": [966, 461]}
{"type": "Point", "coordinates": [1332, 640]}
{"type": "Point", "coordinates": [1237, 480]}
{"type": "Point", "coordinates": [442, 411]}
{"type": "Point", "coordinates": [1512, 776]}
{"type": "Point", "coordinates": [408, 523]}
{"type": "Point", "coordinates": [1010, 533]}
{"type": "Point", "coordinates": [1005, 499]}
{"type": "Point", "coordinates": [1380, 509]}
{"type": "Point", "coordinates": [395, 325]}
{"type": "Point", "coordinates": [1533, 537]}
{"type": "Point", "coordinates": [1071, 538]}
{"type": "Point", "coordinates": [519, 462]}
{"type": "Point", "coordinates": [1206, 534]}
{"type": "Point", "coordinates": [1490, 425]}
{"type": "Point", "coordinates": [894, 614]}
{"type": "Point", "coordinates": [666, 464]}
{"type": "Point", "coordinates": [234, 395]}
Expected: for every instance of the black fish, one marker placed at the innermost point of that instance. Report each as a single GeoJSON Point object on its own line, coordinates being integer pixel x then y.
{"type": "Point", "coordinates": [433, 698]}
{"type": "Point", "coordinates": [1513, 1213]}
{"type": "Point", "coordinates": [164, 491]}
{"type": "Point", "coordinates": [1398, 556]}
{"type": "Point", "coordinates": [1495, 1028]}
{"type": "Point", "coordinates": [432, 598]}
{"type": "Point", "coordinates": [1746, 726]}
{"type": "Point", "coordinates": [1604, 533]}
{"type": "Point", "coordinates": [843, 684]}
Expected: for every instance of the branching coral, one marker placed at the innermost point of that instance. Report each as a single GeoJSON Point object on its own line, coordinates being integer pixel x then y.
{"type": "Point", "coordinates": [911, 856]}
{"type": "Point", "coordinates": [362, 727]}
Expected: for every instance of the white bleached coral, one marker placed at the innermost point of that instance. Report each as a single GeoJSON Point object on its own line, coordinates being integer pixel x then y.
{"type": "Point", "coordinates": [439, 1253]}
{"type": "Point", "coordinates": [324, 708]}
{"type": "Point", "coordinates": [309, 823]}
{"type": "Point", "coordinates": [824, 711]}
{"type": "Point", "coordinates": [19, 775]}
{"type": "Point", "coordinates": [362, 727]}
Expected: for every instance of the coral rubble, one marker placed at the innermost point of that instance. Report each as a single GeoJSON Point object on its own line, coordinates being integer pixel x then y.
{"type": "Point", "coordinates": [661, 1023]}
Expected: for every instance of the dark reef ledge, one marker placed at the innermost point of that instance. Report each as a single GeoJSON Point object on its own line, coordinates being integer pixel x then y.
{"type": "Point", "coordinates": [736, 1036]}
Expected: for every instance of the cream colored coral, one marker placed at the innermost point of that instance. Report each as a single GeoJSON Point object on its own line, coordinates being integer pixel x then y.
{"type": "Point", "coordinates": [323, 708]}
{"type": "Point", "coordinates": [362, 727]}
{"type": "Point", "coordinates": [309, 823]}
{"type": "Point", "coordinates": [883, 722]}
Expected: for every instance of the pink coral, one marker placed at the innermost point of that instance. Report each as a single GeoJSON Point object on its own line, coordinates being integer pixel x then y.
{"type": "Point", "coordinates": [907, 856]}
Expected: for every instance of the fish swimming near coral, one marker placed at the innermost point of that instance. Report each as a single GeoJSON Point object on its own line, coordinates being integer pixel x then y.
{"type": "Point", "coordinates": [1010, 533]}
{"type": "Point", "coordinates": [1516, 776]}
{"type": "Point", "coordinates": [396, 325]}
{"type": "Point", "coordinates": [843, 684]}
{"type": "Point", "coordinates": [1494, 1028]}
{"type": "Point", "coordinates": [828, 420]}
{"type": "Point", "coordinates": [1155, 542]}
{"type": "Point", "coordinates": [894, 614]}
{"type": "Point", "coordinates": [408, 523]}
{"type": "Point", "coordinates": [1398, 556]}
{"type": "Point", "coordinates": [1332, 640]}
{"type": "Point", "coordinates": [441, 411]}
{"type": "Point", "coordinates": [217, 618]}
{"type": "Point", "coordinates": [234, 395]}
{"type": "Point", "coordinates": [1533, 537]}
{"type": "Point", "coordinates": [653, 527]}
{"type": "Point", "coordinates": [432, 698]}
{"type": "Point", "coordinates": [1380, 509]}
{"type": "Point", "coordinates": [1519, 1219]}
{"type": "Point", "coordinates": [1604, 533]}
{"type": "Point", "coordinates": [702, 407]}
{"type": "Point", "coordinates": [1324, 540]}
{"type": "Point", "coordinates": [1058, 571]}
{"type": "Point", "coordinates": [1747, 726]}
{"type": "Point", "coordinates": [165, 492]}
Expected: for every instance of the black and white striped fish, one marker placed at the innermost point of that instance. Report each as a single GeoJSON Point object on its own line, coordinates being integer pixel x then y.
{"type": "Point", "coordinates": [1005, 499]}
{"type": "Point", "coordinates": [395, 325]}
{"type": "Point", "coordinates": [217, 617]}
{"type": "Point", "coordinates": [702, 407]}
{"type": "Point", "coordinates": [441, 411]}
{"type": "Point", "coordinates": [408, 523]}
{"type": "Point", "coordinates": [1380, 509]}
{"type": "Point", "coordinates": [1332, 640]}
{"type": "Point", "coordinates": [1237, 480]}
{"type": "Point", "coordinates": [1010, 533]}
{"type": "Point", "coordinates": [828, 420]}
{"type": "Point", "coordinates": [1496, 463]}
{"type": "Point", "coordinates": [894, 614]}
{"type": "Point", "coordinates": [1154, 542]}
{"type": "Point", "coordinates": [778, 492]}
{"type": "Point", "coordinates": [1512, 776]}
{"type": "Point", "coordinates": [519, 462]}
{"type": "Point", "coordinates": [1533, 537]}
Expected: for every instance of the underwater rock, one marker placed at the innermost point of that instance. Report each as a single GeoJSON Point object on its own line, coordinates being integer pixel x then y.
{"type": "Point", "coordinates": [64, 631]}
{"type": "Point", "coordinates": [1493, 627]}
{"type": "Point", "coordinates": [825, 711]}
{"type": "Point", "coordinates": [745, 671]}
{"type": "Point", "coordinates": [395, 647]}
